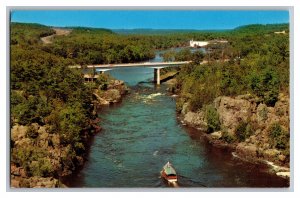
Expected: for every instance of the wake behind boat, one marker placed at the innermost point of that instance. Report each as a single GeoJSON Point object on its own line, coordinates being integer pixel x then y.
{"type": "Point", "coordinates": [168, 173]}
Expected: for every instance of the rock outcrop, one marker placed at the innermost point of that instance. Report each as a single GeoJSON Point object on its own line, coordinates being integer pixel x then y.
{"type": "Point", "coordinates": [257, 132]}
{"type": "Point", "coordinates": [232, 111]}
{"type": "Point", "coordinates": [196, 120]}
{"type": "Point", "coordinates": [113, 94]}
{"type": "Point", "coordinates": [19, 179]}
{"type": "Point", "coordinates": [38, 156]}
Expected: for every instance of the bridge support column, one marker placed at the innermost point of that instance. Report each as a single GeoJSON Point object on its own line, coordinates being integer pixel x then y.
{"type": "Point", "coordinates": [157, 75]}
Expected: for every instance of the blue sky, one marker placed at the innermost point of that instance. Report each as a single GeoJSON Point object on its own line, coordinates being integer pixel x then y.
{"type": "Point", "coordinates": [168, 19]}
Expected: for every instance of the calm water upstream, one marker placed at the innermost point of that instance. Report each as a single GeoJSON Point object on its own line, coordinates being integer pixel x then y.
{"type": "Point", "coordinates": [142, 133]}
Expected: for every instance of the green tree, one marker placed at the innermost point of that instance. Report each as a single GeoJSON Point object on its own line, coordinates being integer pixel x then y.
{"type": "Point", "coordinates": [212, 117]}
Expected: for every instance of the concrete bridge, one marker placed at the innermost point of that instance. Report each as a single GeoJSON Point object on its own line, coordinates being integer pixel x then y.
{"type": "Point", "coordinates": [155, 65]}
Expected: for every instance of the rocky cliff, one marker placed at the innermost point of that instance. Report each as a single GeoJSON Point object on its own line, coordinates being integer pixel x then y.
{"type": "Point", "coordinates": [255, 131]}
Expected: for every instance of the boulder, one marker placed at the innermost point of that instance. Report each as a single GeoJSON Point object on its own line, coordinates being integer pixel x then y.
{"type": "Point", "coordinates": [262, 113]}
{"type": "Point", "coordinates": [196, 120]}
{"type": "Point", "coordinates": [55, 140]}
{"type": "Point", "coordinates": [17, 171]}
{"type": "Point", "coordinates": [271, 154]}
{"type": "Point", "coordinates": [282, 157]}
{"type": "Point", "coordinates": [14, 183]}
{"type": "Point", "coordinates": [18, 132]}
{"type": "Point", "coordinates": [281, 109]}
{"type": "Point", "coordinates": [23, 173]}
{"type": "Point", "coordinates": [252, 139]}
{"type": "Point", "coordinates": [25, 143]}
{"type": "Point", "coordinates": [112, 95]}
{"type": "Point", "coordinates": [216, 135]}
{"type": "Point", "coordinates": [119, 85]}
{"type": "Point", "coordinates": [100, 100]}
{"type": "Point", "coordinates": [232, 111]}
{"type": "Point", "coordinates": [42, 130]}
{"type": "Point", "coordinates": [185, 108]}
{"type": "Point", "coordinates": [283, 174]}
{"type": "Point", "coordinates": [115, 84]}
{"type": "Point", "coordinates": [35, 126]}
{"type": "Point", "coordinates": [14, 170]}
{"type": "Point", "coordinates": [247, 151]}
{"type": "Point", "coordinates": [43, 140]}
{"type": "Point", "coordinates": [43, 182]}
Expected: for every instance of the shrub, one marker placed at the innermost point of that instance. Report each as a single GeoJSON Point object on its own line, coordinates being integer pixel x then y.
{"type": "Point", "coordinates": [227, 137]}
{"type": "Point", "coordinates": [243, 131]}
{"type": "Point", "coordinates": [31, 132]}
{"type": "Point", "coordinates": [103, 81]}
{"type": "Point", "coordinates": [263, 113]}
{"type": "Point", "coordinates": [196, 103]}
{"type": "Point", "coordinates": [42, 167]}
{"type": "Point", "coordinates": [21, 156]}
{"type": "Point", "coordinates": [265, 85]}
{"type": "Point", "coordinates": [179, 104]}
{"type": "Point", "coordinates": [279, 139]}
{"type": "Point", "coordinates": [212, 118]}
{"type": "Point", "coordinates": [201, 96]}
{"type": "Point", "coordinates": [275, 131]}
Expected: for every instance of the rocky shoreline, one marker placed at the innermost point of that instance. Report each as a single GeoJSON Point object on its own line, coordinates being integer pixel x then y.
{"type": "Point", "coordinates": [53, 159]}
{"type": "Point", "coordinates": [249, 129]}
{"type": "Point", "coordinates": [113, 93]}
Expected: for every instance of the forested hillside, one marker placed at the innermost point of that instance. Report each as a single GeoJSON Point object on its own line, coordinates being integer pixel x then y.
{"type": "Point", "coordinates": [257, 63]}
{"type": "Point", "coordinates": [50, 107]}
{"type": "Point", "coordinates": [241, 97]}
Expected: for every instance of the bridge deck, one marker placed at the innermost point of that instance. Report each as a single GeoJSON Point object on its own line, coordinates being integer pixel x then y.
{"type": "Point", "coordinates": [146, 64]}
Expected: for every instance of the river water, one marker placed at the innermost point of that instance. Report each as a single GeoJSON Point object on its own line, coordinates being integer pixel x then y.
{"type": "Point", "coordinates": [142, 133]}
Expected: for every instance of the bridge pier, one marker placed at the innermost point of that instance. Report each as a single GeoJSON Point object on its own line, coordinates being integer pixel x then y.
{"type": "Point", "coordinates": [157, 75]}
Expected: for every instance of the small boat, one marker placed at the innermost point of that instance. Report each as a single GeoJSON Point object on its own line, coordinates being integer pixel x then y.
{"type": "Point", "coordinates": [168, 173]}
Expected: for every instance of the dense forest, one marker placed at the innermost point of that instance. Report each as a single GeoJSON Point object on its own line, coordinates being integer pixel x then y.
{"type": "Point", "coordinates": [45, 91]}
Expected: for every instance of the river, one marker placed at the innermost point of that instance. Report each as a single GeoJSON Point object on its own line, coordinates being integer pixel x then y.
{"type": "Point", "coordinates": [142, 133]}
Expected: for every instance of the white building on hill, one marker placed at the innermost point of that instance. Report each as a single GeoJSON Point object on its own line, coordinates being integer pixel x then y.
{"type": "Point", "coordinates": [198, 43]}
{"type": "Point", "coordinates": [283, 32]}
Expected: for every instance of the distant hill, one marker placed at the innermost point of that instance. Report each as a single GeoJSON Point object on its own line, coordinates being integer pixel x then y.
{"type": "Point", "coordinates": [28, 33]}
{"type": "Point", "coordinates": [246, 28]}
{"type": "Point", "coordinates": [89, 29]}
{"type": "Point", "coordinates": [37, 26]}
{"type": "Point", "coordinates": [259, 28]}
{"type": "Point", "coordinates": [162, 31]}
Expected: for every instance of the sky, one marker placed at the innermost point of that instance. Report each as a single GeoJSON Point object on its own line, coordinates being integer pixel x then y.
{"type": "Point", "coordinates": [155, 19]}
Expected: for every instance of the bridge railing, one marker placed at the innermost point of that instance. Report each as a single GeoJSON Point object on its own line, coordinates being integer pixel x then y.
{"type": "Point", "coordinates": [145, 64]}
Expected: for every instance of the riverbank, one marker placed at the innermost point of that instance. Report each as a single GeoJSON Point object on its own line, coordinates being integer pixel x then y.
{"type": "Point", "coordinates": [51, 158]}
{"type": "Point", "coordinates": [250, 130]}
